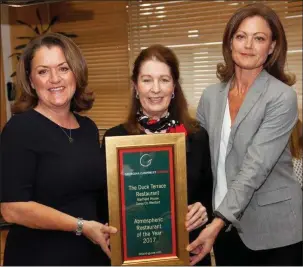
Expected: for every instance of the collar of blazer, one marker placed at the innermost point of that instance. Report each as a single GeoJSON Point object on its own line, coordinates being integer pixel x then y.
{"type": "Point", "coordinates": [250, 100]}
{"type": "Point", "coordinates": [263, 75]}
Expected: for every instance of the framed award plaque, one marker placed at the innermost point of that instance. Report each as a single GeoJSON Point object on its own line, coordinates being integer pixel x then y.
{"type": "Point", "coordinates": [147, 194]}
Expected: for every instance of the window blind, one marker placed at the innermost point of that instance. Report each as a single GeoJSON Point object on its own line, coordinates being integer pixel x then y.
{"type": "Point", "coordinates": [194, 30]}
{"type": "Point", "coordinates": [102, 32]}
{"type": "Point", "coordinates": [112, 33]}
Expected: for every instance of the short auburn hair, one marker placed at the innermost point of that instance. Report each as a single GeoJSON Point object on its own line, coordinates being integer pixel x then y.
{"type": "Point", "coordinates": [82, 100]}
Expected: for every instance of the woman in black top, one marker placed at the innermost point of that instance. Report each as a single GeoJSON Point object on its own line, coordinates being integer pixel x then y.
{"type": "Point", "coordinates": [51, 162]}
{"type": "Point", "coordinates": [159, 106]}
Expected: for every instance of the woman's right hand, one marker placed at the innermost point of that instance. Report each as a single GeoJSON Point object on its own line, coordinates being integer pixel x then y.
{"type": "Point", "coordinates": [196, 216]}
{"type": "Point", "coordinates": [99, 234]}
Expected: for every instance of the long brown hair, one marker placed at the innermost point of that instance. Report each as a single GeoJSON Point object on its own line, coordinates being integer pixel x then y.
{"type": "Point", "coordinates": [82, 100]}
{"type": "Point", "coordinates": [178, 106]}
{"type": "Point", "coordinates": [296, 142]}
{"type": "Point", "coordinates": [275, 62]}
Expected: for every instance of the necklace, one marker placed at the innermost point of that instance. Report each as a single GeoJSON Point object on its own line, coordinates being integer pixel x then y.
{"type": "Point", "coordinates": [70, 139]}
{"type": "Point", "coordinates": [69, 136]}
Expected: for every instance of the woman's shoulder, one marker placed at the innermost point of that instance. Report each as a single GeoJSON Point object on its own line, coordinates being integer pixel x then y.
{"type": "Point", "coordinates": [118, 130]}
{"type": "Point", "coordinates": [85, 121]}
{"type": "Point", "coordinates": [215, 86]}
{"type": "Point", "coordinates": [199, 135]}
{"type": "Point", "coordinates": [21, 126]}
{"type": "Point", "coordinates": [278, 86]}
{"type": "Point", "coordinates": [197, 144]}
{"type": "Point", "coordinates": [278, 92]}
{"type": "Point", "coordinates": [213, 89]}
{"type": "Point", "coordinates": [20, 122]}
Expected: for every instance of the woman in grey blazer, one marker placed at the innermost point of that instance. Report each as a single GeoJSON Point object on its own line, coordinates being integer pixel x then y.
{"type": "Point", "coordinates": [249, 117]}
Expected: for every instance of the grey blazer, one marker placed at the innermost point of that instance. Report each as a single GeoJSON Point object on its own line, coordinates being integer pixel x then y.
{"type": "Point", "coordinates": [264, 199]}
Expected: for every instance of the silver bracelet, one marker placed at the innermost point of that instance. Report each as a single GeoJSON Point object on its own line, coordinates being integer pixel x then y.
{"type": "Point", "coordinates": [79, 228]}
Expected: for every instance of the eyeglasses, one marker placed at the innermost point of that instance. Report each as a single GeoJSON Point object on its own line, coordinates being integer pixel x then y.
{"type": "Point", "coordinates": [162, 82]}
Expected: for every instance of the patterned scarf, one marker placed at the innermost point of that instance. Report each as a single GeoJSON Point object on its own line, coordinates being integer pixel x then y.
{"type": "Point", "coordinates": [156, 126]}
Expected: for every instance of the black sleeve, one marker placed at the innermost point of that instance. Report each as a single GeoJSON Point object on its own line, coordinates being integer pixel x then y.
{"type": "Point", "coordinates": [18, 162]}
{"type": "Point", "coordinates": [199, 173]}
{"type": "Point", "coordinates": [206, 172]}
{"type": "Point", "coordinates": [102, 204]}
{"type": "Point", "coordinates": [94, 126]}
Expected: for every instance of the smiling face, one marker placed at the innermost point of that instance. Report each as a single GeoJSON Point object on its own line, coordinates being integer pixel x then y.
{"type": "Point", "coordinates": [52, 78]}
{"type": "Point", "coordinates": [155, 87]}
{"type": "Point", "coordinates": [252, 43]}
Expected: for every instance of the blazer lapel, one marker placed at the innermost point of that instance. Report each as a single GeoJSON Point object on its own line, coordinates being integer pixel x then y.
{"type": "Point", "coordinates": [250, 100]}
{"type": "Point", "coordinates": [220, 106]}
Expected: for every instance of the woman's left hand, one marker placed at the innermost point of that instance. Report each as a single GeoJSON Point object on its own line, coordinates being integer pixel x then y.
{"type": "Point", "coordinates": [195, 217]}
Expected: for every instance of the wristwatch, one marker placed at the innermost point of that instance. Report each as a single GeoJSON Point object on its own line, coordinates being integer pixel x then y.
{"type": "Point", "coordinates": [79, 228]}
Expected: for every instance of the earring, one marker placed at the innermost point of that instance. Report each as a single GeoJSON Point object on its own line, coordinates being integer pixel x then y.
{"type": "Point", "coordinates": [137, 95]}
{"type": "Point", "coordinates": [173, 95]}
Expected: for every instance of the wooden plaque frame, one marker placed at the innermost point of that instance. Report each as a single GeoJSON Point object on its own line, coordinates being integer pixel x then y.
{"type": "Point", "coordinates": [114, 146]}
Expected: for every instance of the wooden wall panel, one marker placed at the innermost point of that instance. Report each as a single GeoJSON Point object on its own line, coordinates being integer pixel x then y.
{"type": "Point", "coordinates": [3, 236]}
{"type": "Point", "coordinates": [2, 91]}
{"type": "Point", "coordinates": [102, 29]}
{"type": "Point", "coordinates": [28, 15]}
{"type": "Point", "coordinates": [107, 22]}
